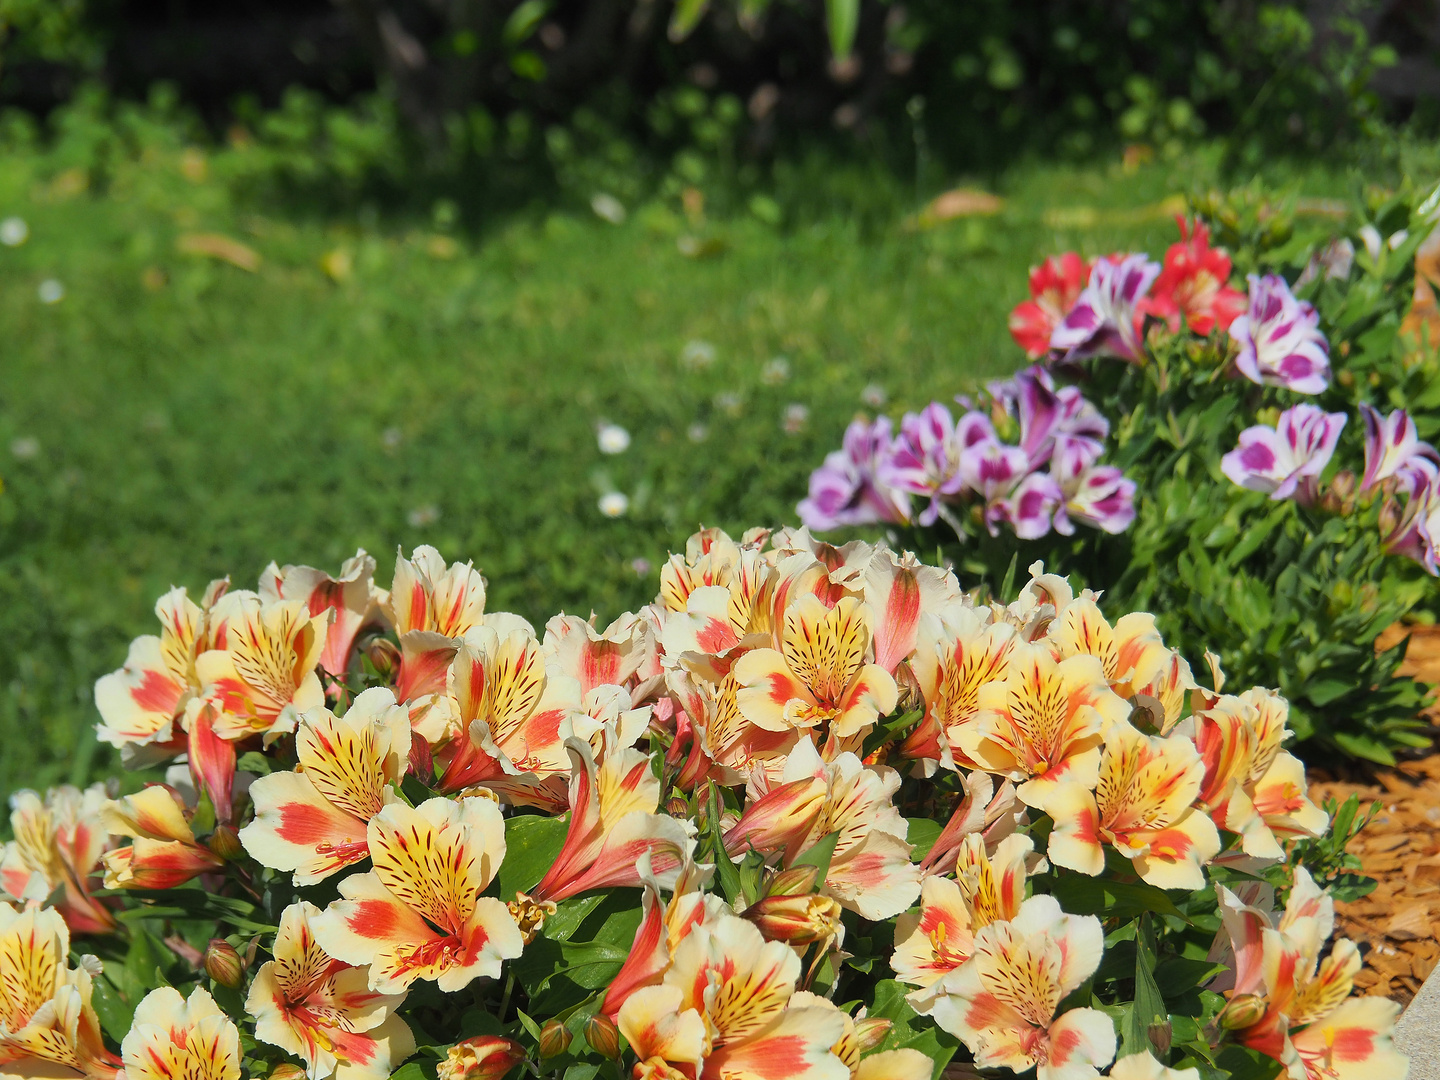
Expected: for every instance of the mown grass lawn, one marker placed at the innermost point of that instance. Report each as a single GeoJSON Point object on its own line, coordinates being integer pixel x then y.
{"type": "Point", "coordinates": [174, 418]}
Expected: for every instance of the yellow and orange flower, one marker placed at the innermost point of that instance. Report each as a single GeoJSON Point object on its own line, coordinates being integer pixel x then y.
{"type": "Point", "coordinates": [426, 596]}
{"type": "Point", "coordinates": [1045, 722]}
{"type": "Point", "coordinates": [820, 678]}
{"type": "Point", "coordinates": [931, 944]}
{"type": "Point", "coordinates": [724, 1009]}
{"type": "Point", "coordinates": [141, 703]}
{"type": "Point", "coordinates": [163, 851]}
{"type": "Point", "coordinates": [47, 1024]}
{"type": "Point", "coordinates": [1142, 806]}
{"type": "Point", "coordinates": [322, 1010]}
{"type": "Point", "coordinates": [174, 1037]}
{"type": "Point", "coordinates": [901, 1064]}
{"type": "Point", "coordinates": [260, 673]}
{"type": "Point", "coordinates": [901, 592]}
{"type": "Point", "coordinates": [420, 913]}
{"type": "Point", "coordinates": [1001, 1002]}
{"type": "Point", "coordinates": [352, 597]}
{"type": "Point", "coordinates": [58, 844]}
{"type": "Point", "coordinates": [313, 821]}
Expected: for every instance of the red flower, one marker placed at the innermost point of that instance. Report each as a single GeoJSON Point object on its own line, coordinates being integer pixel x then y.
{"type": "Point", "coordinates": [1193, 283]}
{"type": "Point", "coordinates": [1054, 286]}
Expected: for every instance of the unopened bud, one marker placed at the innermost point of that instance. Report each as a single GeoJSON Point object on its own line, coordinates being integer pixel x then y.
{"type": "Point", "coordinates": [1390, 517]}
{"type": "Point", "coordinates": [225, 842]}
{"type": "Point", "coordinates": [223, 964]}
{"type": "Point", "coordinates": [483, 1057]}
{"type": "Point", "coordinates": [1243, 1011]}
{"type": "Point", "coordinates": [554, 1039]}
{"type": "Point", "coordinates": [795, 920]}
{"type": "Point", "coordinates": [1160, 1036]}
{"type": "Point", "coordinates": [678, 807]}
{"type": "Point", "coordinates": [384, 654]}
{"type": "Point", "coordinates": [287, 1071]}
{"type": "Point", "coordinates": [603, 1036]}
{"type": "Point", "coordinates": [870, 1032]}
{"type": "Point", "coordinates": [797, 881]}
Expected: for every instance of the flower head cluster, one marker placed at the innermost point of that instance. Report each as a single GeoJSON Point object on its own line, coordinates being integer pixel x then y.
{"type": "Point", "coordinates": [1027, 457]}
{"type": "Point", "coordinates": [675, 841]}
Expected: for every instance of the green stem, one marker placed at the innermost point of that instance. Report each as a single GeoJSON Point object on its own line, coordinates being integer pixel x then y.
{"type": "Point", "coordinates": [505, 997]}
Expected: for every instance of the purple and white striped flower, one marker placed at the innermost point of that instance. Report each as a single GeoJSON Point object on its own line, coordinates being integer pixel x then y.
{"type": "Point", "coordinates": [925, 458]}
{"type": "Point", "coordinates": [1029, 508]}
{"type": "Point", "coordinates": [1393, 448]}
{"type": "Point", "coordinates": [1100, 496]}
{"type": "Point", "coordinates": [1286, 461]}
{"type": "Point", "coordinates": [846, 490]}
{"type": "Point", "coordinates": [1417, 533]}
{"type": "Point", "coordinates": [1047, 416]}
{"type": "Point", "coordinates": [1279, 338]}
{"type": "Point", "coordinates": [1107, 320]}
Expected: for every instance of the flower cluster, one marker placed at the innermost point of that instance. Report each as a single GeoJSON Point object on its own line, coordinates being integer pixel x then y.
{"type": "Point", "coordinates": [1027, 456]}
{"type": "Point", "coordinates": [676, 842]}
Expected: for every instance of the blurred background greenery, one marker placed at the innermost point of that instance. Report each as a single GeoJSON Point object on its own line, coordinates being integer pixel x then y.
{"type": "Point", "coordinates": [300, 277]}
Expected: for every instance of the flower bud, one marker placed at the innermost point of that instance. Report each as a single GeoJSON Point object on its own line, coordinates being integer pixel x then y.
{"type": "Point", "coordinates": [795, 920]}
{"type": "Point", "coordinates": [223, 964]}
{"type": "Point", "coordinates": [1243, 1011]}
{"type": "Point", "coordinates": [287, 1071]}
{"type": "Point", "coordinates": [482, 1057]}
{"type": "Point", "coordinates": [678, 807]}
{"type": "Point", "coordinates": [870, 1032]}
{"type": "Point", "coordinates": [225, 842]}
{"type": "Point", "coordinates": [384, 654]}
{"type": "Point", "coordinates": [1160, 1035]}
{"type": "Point", "coordinates": [554, 1039]}
{"type": "Point", "coordinates": [797, 881]}
{"type": "Point", "coordinates": [603, 1036]}
{"type": "Point", "coordinates": [421, 764]}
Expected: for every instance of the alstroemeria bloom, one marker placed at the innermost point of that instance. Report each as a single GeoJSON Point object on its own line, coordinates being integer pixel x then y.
{"type": "Point", "coordinates": [58, 843]}
{"type": "Point", "coordinates": [1310, 1024]}
{"type": "Point", "coordinates": [988, 467]}
{"type": "Point", "coordinates": [931, 944]}
{"type": "Point", "coordinates": [847, 489]}
{"type": "Point", "coordinates": [958, 651]}
{"type": "Point", "coordinates": [1194, 284]}
{"type": "Point", "coordinates": [163, 851]}
{"type": "Point", "coordinates": [323, 1011]}
{"type": "Point", "coordinates": [174, 1037]}
{"type": "Point", "coordinates": [1001, 1002]}
{"type": "Point", "coordinates": [820, 677]}
{"type": "Point", "coordinates": [427, 596]}
{"type": "Point", "coordinates": [1286, 460]}
{"type": "Point", "coordinates": [419, 914]}
{"type": "Point", "coordinates": [1100, 496]}
{"type": "Point", "coordinates": [509, 710]}
{"type": "Point", "coordinates": [260, 673]}
{"type": "Point", "coordinates": [1394, 448]}
{"type": "Point", "coordinates": [712, 558]}
{"type": "Point", "coordinates": [924, 459]}
{"type": "Point", "coordinates": [1055, 285]}
{"type": "Point", "coordinates": [1045, 722]}
{"type": "Point", "coordinates": [903, 1064]}
{"type": "Point", "coordinates": [613, 827]}
{"type": "Point", "coordinates": [47, 1024]}
{"type": "Point", "coordinates": [352, 596]}
{"type": "Point", "coordinates": [870, 869]}
{"type": "Point", "coordinates": [1142, 807]}
{"type": "Point", "coordinates": [591, 657]}
{"type": "Point", "coordinates": [900, 591]}
{"type": "Point", "coordinates": [313, 821]}
{"type": "Point", "coordinates": [1280, 340]}
{"type": "Point", "coordinates": [1107, 317]}
{"type": "Point", "coordinates": [140, 703]}
{"type": "Point", "coordinates": [724, 1010]}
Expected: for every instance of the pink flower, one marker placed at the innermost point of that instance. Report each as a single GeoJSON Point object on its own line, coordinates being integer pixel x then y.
{"type": "Point", "coordinates": [1393, 448]}
{"type": "Point", "coordinates": [846, 490]}
{"type": "Point", "coordinates": [1286, 460]}
{"type": "Point", "coordinates": [926, 458]}
{"type": "Point", "coordinates": [1279, 338]}
{"type": "Point", "coordinates": [1107, 318]}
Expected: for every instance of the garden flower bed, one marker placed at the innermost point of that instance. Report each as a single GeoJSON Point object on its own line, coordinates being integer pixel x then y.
{"type": "Point", "coordinates": [815, 812]}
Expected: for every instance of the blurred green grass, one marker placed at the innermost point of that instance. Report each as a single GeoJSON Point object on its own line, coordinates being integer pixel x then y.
{"type": "Point", "coordinates": [174, 418]}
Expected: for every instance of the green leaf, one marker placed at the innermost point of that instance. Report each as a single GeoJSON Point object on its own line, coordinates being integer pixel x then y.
{"type": "Point", "coordinates": [1122, 900]}
{"type": "Point", "coordinates": [115, 1013]}
{"type": "Point", "coordinates": [819, 855]}
{"type": "Point", "coordinates": [523, 21]}
{"type": "Point", "coordinates": [922, 834]}
{"type": "Point", "coordinates": [532, 844]}
{"type": "Point", "coordinates": [686, 17]}
{"type": "Point", "coordinates": [842, 19]}
{"type": "Point", "coordinates": [1149, 1005]}
{"type": "Point", "coordinates": [725, 869]}
{"type": "Point", "coordinates": [252, 761]}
